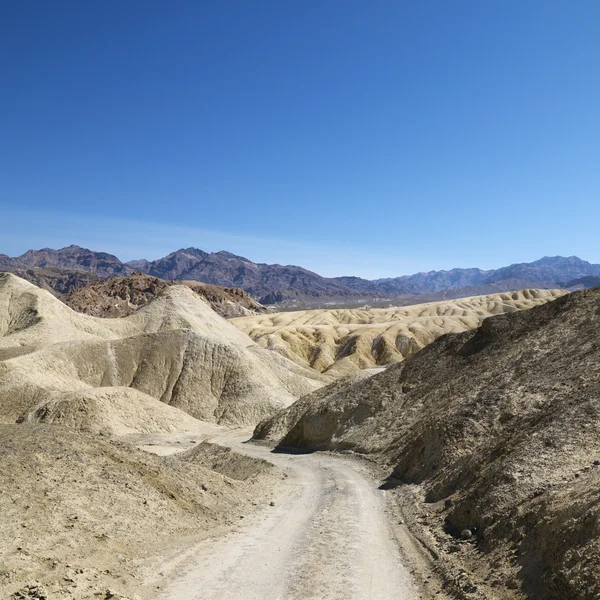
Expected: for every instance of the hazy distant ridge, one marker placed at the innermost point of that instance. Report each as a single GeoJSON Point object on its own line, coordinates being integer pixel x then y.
{"type": "Point", "coordinates": [274, 283]}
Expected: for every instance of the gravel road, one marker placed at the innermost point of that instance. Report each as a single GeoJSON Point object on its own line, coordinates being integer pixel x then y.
{"type": "Point", "coordinates": [326, 538]}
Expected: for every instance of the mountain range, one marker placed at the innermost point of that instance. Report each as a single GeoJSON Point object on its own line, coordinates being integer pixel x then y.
{"type": "Point", "coordinates": [293, 285]}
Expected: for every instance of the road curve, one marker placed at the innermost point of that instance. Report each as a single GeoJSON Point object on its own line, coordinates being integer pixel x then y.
{"type": "Point", "coordinates": [327, 538]}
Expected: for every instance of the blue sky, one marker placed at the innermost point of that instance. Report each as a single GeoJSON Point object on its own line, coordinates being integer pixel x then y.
{"type": "Point", "coordinates": [369, 138]}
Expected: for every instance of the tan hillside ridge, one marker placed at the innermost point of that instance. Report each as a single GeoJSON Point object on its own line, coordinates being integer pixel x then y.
{"type": "Point", "coordinates": [343, 341]}
{"type": "Point", "coordinates": [89, 518]}
{"type": "Point", "coordinates": [136, 373]}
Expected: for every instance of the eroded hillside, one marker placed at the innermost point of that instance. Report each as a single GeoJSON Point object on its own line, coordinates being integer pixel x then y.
{"type": "Point", "coordinates": [89, 517]}
{"type": "Point", "coordinates": [136, 373]}
{"type": "Point", "coordinates": [339, 342]}
{"type": "Point", "coordinates": [491, 439]}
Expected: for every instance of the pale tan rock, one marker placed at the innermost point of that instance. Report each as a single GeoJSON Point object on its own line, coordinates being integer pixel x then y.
{"type": "Point", "coordinates": [136, 373]}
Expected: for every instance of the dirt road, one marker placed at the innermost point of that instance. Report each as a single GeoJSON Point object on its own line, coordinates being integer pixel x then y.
{"type": "Point", "coordinates": [326, 538]}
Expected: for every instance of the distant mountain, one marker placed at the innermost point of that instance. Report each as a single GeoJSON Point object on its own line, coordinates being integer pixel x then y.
{"type": "Point", "coordinates": [583, 283]}
{"type": "Point", "coordinates": [172, 266]}
{"type": "Point", "coordinates": [357, 284]}
{"type": "Point", "coordinates": [269, 283]}
{"type": "Point", "coordinates": [138, 265]}
{"type": "Point", "coordinates": [74, 257]}
{"type": "Point", "coordinates": [549, 271]}
{"type": "Point", "coordinates": [433, 281]}
{"type": "Point", "coordinates": [290, 285]}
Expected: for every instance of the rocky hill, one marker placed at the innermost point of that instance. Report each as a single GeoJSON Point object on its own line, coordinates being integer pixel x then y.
{"type": "Point", "coordinates": [73, 257]}
{"type": "Point", "coordinates": [57, 280]}
{"type": "Point", "coordinates": [122, 296]}
{"type": "Point", "coordinates": [490, 441]}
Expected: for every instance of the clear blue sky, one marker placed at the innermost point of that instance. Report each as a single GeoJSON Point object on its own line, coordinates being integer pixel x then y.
{"type": "Point", "coordinates": [351, 137]}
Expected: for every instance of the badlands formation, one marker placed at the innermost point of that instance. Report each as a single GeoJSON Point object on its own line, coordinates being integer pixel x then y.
{"type": "Point", "coordinates": [172, 360]}
{"type": "Point", "coordinates": [486, 441]}
{"type": "Point", "coordinates": [489, 439]}
{"type": "Point", "coordinates": [81, 509]}
{"type": "Point", "coordinates": [340, 342]}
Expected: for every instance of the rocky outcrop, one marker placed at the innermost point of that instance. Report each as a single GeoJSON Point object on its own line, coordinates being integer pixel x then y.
{"type": "Point", "coordinates": [122, 296]}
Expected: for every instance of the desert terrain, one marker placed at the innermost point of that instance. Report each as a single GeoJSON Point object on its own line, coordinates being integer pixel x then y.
{"type": "Point", "coordinates": [449, 471]}
{"type": "Point", "coordinates": [339, 342]}
{"type": "Point", "coordinates": [489, 439]}
{"type": "Point", "coordinates": [300, 300]}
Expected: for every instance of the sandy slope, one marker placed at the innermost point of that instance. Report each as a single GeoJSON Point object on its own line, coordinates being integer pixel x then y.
{"type": "Point", "coordinates": [137, 373]}
{"type": "Point", "coordinates": [339, 342]}
{"type": "Point", "coordinates": [81, 514]}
